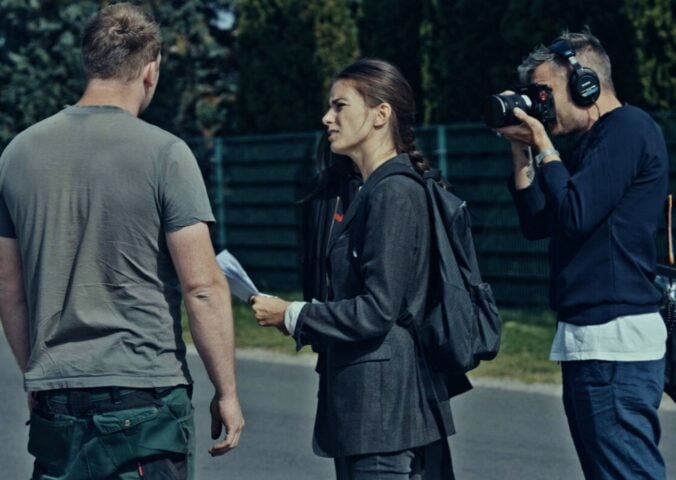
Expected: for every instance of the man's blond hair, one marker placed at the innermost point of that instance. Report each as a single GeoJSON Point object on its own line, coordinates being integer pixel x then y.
{"type": "Point", "coordinates": [118, 41]}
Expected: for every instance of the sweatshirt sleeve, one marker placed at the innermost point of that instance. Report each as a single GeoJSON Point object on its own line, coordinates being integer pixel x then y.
{"type": "Point", "coordinates": [581, 201]}
{"type": "Point", "coordinates": [531, 208]}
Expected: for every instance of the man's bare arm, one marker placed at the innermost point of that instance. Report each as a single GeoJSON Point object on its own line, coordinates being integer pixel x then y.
{"type": "Point", "coordinates": [13, 308]}
{"type": "Point", "coordinates": [207, 300]}
{"type": "Point", "coordinates": [524, 171]}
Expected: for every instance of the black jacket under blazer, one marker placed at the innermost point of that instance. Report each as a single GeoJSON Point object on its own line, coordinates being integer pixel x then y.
{"type": "Point", "coordinates": [371, 395]}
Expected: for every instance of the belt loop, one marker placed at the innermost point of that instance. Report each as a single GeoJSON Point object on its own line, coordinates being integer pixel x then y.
{"type": "Point", "coordinates": [115, 395]}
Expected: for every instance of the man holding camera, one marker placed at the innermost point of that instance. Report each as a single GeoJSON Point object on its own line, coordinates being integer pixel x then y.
{"type": "Point", "coordinates": [601, 208]}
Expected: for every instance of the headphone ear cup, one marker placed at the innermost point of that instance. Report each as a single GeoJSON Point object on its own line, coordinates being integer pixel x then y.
{"type": "Point", "coordinates": [585, 87]}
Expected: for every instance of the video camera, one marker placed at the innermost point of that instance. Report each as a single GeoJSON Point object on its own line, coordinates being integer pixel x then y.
{"type": "Point", "coordinates": [534, 99]}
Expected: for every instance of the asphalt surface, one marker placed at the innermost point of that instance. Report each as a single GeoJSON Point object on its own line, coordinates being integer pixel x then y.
{"type": "Point", "coordinates": [505, 430]}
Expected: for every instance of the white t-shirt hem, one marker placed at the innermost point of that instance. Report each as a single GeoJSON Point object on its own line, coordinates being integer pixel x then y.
{"type": "Point", "coordinates": [609, 356]}
{"type": "Point", "coordinates": [631, 338]}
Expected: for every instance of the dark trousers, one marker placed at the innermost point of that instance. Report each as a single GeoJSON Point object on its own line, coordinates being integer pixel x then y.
{"type": "Point", "coordinates": [112, 433]}
{"type": "Point", "coordinates": [612, 415]}
{"type": "Point", "coordinates": [429, 462]}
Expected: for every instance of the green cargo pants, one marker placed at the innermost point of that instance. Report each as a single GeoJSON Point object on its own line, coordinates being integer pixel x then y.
{"type": "Point", "coordinates": [112, 433]}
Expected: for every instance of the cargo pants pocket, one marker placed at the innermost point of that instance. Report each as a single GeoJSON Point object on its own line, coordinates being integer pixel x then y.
{"type": "Point", "coordinates": [129, 437]}
{"type": "Point", "coordinates": [54, 442]}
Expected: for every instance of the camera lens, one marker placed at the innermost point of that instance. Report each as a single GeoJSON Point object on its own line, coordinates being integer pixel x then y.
{"type": "Point", "coordinates": [498, 109]}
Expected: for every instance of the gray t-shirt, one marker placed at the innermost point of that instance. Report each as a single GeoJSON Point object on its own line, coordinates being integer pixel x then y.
{"type": "Point", "coordinates": [89, 194]}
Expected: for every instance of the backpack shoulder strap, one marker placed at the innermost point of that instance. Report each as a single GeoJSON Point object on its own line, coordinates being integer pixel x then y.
{"type": "Point", "coordinates": [396, 168]}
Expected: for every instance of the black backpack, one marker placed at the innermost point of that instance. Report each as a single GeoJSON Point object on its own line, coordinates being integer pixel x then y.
{"type": "Point", "coordinates": [666, 282]}
{"type": "Point", "coordinates": [462, 325]}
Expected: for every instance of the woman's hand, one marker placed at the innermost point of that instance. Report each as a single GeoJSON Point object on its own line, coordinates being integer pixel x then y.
{"type": "Point", "coordinates": [269, 311]}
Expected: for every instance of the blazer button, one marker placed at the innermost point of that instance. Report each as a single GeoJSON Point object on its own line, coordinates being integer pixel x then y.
{"type": "Point", "coordinates": [354, 253]}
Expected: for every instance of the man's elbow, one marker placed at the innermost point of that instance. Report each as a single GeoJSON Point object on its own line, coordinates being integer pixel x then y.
{"type": "Point", "coordinates": [205, 288]}
{"type": "Point", "coordinates": [575, 229]}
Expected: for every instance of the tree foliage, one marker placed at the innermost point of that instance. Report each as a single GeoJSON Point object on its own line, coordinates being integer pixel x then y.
{"type": "Point", "coordinates": [391, 30]}
{"type": "Point", "coordinates": [471, 48]}
{"type": "Point", "coordinates": [198, 85]}
{"type": "Point", "coordinates": [260, 66]}
{"type": "Point", "coordinates": [289, 50]}
{"type": "Point", "coordinates": [40, 68]}
{"type": "Point", "coordinates": [463, 57]}
{"type": "Point", "coordinates": [605, 19]}
{"type": "Point", "coordinates": [653, 24]}
{"type": "Point", "coordinates": [41, 71]}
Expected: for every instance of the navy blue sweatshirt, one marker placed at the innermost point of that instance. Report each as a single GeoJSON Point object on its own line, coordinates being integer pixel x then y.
{"type": "Point", "coordinates": [601, 209]}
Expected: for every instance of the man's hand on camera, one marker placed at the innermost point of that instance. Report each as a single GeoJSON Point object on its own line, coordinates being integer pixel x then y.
{"type": "Point", "coordinates": [530, 132]}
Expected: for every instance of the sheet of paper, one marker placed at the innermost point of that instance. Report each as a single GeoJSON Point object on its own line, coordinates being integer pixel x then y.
{"type": "Point", "coordinates": [241, 286]}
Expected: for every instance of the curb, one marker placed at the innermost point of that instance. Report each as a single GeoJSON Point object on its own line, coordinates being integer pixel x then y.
{"type": "Point", "coordinates": [310, 359]}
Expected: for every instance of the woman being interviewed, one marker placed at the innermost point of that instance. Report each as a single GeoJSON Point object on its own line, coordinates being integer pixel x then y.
{"type": "Point", "coordinates": [373, 414]}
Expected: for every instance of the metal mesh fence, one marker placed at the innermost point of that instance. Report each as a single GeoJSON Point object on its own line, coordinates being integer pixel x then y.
{"type": "Point", "coordinates": [255, 183]}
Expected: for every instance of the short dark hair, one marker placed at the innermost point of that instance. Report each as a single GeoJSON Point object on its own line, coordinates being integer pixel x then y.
{"type": "Point", "coordinates": [118, 41]}
{"type": "Point", "coordinates": [588, 50]}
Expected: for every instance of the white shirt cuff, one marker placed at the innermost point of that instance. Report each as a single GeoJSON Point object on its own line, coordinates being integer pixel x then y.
{"type": "Point", "coordinates": [291, 315]}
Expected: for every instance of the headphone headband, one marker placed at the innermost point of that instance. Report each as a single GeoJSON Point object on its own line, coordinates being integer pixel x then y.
{"type": "Point", "coordinates": [583, 82]}
{"type": "Point", "coordinates": [562, 47]}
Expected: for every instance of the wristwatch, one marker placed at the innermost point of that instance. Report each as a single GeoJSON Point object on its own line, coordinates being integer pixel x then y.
{"type": "Point", "coordinates": [541, 156]}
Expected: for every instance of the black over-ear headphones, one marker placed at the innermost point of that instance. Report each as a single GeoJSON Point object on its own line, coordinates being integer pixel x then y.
{"type": "Point", "coordinates": [583, 83]}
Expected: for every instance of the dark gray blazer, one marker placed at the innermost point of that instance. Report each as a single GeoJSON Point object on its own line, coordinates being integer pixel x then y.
{"type": "Point", "coordinates": [371, 395]}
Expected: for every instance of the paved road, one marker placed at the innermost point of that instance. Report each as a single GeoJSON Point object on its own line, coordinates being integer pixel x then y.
{"type": "Point", "coordinates": [502, 433]}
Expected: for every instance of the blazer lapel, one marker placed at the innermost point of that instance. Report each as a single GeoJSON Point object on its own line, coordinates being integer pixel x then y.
{"type": "Point", "coordinates": [352, 210]}
{"type": "Point", "coordinates": [381, 172]}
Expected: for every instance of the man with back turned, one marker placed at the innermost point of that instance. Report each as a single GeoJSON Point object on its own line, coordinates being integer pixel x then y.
{"type": "Point", "coordinates": [103, 222]}
{"type": "Point", "coordinates": [600, 207]}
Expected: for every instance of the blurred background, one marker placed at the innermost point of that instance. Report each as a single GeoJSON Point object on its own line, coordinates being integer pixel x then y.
{"type": "Point", "coordinates": [244, 82]}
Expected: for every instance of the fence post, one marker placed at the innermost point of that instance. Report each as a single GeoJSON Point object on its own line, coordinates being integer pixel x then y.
{"type": "Point", "coordinates": [441, 150]}
{"type": "Point", "coordinates": [218, 193]}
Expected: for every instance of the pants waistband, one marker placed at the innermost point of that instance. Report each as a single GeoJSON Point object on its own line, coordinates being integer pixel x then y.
{"type": "Point", "coordinates": [89, 401]}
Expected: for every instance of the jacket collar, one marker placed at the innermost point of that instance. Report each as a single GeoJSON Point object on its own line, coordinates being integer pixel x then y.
{"type": "Point", "coordinates": [355, 206]}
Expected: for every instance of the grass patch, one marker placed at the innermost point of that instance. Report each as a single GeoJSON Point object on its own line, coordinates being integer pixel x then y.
{"type": "Point", "coordinates": [249, 335]}
{"type": "Point", "coordinates": [524, 351]}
